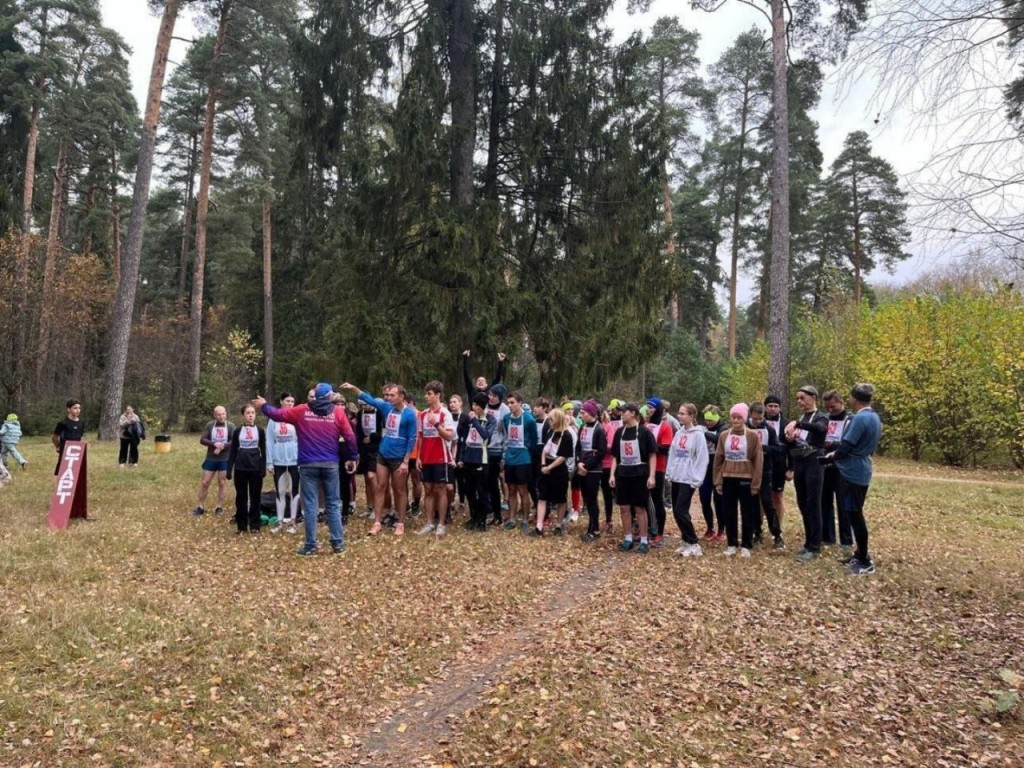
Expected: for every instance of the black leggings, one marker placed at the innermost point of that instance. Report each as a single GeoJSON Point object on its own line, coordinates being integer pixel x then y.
{"type": "Point", "coordinates": [608, 492]}
{"type": "Point", "coordinates": [591, 484]}
{"type": "Point", "coordinates": [710, 497]}
{"type": "Point", "coordinates": [492, 485]}
{"type": "Point", "coordinates": [682, 495]}
{"type": "Point", "coordinates": [248, 483]}
{"type": "Point", "coordinates": [737, 491]}
{"type": "Point", "coordinates": [658, 503]}
{"type": "Point", "coordinates": [807, 482]}
{"type": "Point", "coordinates": [129, 451]}
{"type": "Point", "coordinates": [851, 501]}
{"type": "Point", "coordinates": [474, 477]}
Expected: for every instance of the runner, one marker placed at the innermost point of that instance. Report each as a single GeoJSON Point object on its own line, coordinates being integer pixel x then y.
{"type": "Point", "coordinates": [575, 481]}
{"type": "Point", "coordinates": [521, 437]}
{"type": "Point", "coordinates": [710, 498]}
{"type": "Point", "coordinates": [10, 436]}
{"type": "Point", "coordinates": [591, 451]}
{"type": "Point", "coordinates": [772, 452]}
{"type": "Point", "coordinates": [474, 430]}
{"type": "Point", "coordinates": [216, 437]}
{"type": "Point", "coordinates": [634, 465]}
{"type": "Point", "coordinates": [782, 465]}
{"type": "Point", "coordinates": [612, 424]}
{"type": "Point", "coordinates": [480, 385]}
{"type": "Point", "coordinates": [805, 438]}
{"type": "Point", "coordinates": [838, 419]}
{"type": "Point", "coordinates": [283, 464]}
{"type": "Point", "coordinates": [458, 485]}
{"type": "Point", "coordinates": [552, 485]}
{"type": "Point", "coordinates": [737, 471]}
{"type": "Point", "coordinates": [541, 409]}
{"type": "Point", "coordinates": [495, 449]}
{"type": "Point", "coordinates": [436, 428]}
{"type": "Point", "coordinates": [131, 430]}
{"type": "Point", "coordinates": [395, 450]}
{"type": "Point", "coordinates": [247, 461]}
{"type": "Point", "coordinates": [368, 435]}
{"type": "Point", "coordinates": [686, 470]}
{"type": "Point", "coordinates": [320, 426]}
{"type": "Point", "coordinates": [662, 432]}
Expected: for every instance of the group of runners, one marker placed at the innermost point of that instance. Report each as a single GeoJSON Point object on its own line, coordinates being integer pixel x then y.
{"type": "Point", "coordinates": [537, 467]}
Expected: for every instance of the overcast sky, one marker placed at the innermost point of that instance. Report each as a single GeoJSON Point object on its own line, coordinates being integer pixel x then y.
{"type": "Point", "coordinates": [894, 140]}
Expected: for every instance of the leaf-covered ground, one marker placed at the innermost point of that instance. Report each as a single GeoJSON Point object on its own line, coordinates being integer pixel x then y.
{"type": "Point", "coordinates": [149, 638]}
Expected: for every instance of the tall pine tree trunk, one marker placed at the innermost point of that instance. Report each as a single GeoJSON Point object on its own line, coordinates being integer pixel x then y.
{"type": "Point", "coordinates": [195, 321]}
{"type": "Point", "coordinates": [268, 301]}
{"type": "Point", "coordinates": [463, 93]}
{"type": "Point", "coordinates": [670, 249]}
{"type": "Point", "coordinates": [115, 218]}
{"type": "Point", "coordinates": [778, 334]}
{"type": "Point", "coordinates": [856, 240]}
{"type": "Point", "coordinates": [737, 205]}
{"type": "Point", "coordinates": [497, 102]}
{"type": "Point", "coordinates": [186, 220]}
{"type": "Point", "coordinates": [90, 206]}
{"type": "Point", "coordinates": [53, 245]}
{"type": "Point", "coordinates": [119, 335]}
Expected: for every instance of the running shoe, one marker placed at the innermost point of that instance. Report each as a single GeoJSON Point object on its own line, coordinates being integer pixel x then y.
{"type": "Point", "coordinates": [198, 511]}
{"type": "Point", "coordinates": [642, 548]}
{"type": "Point", "coordinates": [536, 532]}
{"type": "Point", "coordinates": [337, 549]}
{"type": "Point", "coordinates": [440, 531]}
{"type": "Point", "coordinates": [399, 529]}
{"type": "Point", "coordinates": [607, 528]}
{"type": "Point", "coordinates": [709, 535]}
{"type": "Point", "coordinates": [857, 568]}
{"type": "Point", "coordinates": [504, 506]}
{"type": "Point", "coordinates": [510, 525]}
{"type": "Point", "coordinates": [658, 542]}
{"type": "Point", "coordinates": [683, 550]}
{"type": "Point", "coordinates": [809, 555]}
{"type": "Point", "coordinates": [695, 551]}
{"type": "Point", "coordinates": [744, 552]}
{"type": "Point", "coordinates": [375, 528]}
{"type": "Point", "coordinates": [625, 545]}
{"type": "Point", "coordinates": [730, 551]}
{"type": "Point", "coordinates": [779, 543]}
{"type": "Point", "coordinates": [291, 529]}
{"type": "Point", "coordinates": [574, 516]}
{"type": "Point", "coordinates": [306, 551]}
{"type": "Point", "coordinates": [218, 511]}
{"type": "Point", "coordinates": [277, 528]}
{"type": "Point", "coordinates": [589, 537]}
{"type": "Point", "coordinates": [847, 560]}
{"type": "Point", "coordinates": [426, 529]}
{"type": "Point", "coordinates": [720, 537]}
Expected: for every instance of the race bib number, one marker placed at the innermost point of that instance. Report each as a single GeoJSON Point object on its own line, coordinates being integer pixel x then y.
{"type": "Point", "coordinates": [220, 434]}
{"type": "Point", "coordinates": [474, 438]}
{"type": "Point", "coordinates": [369, 422]}
{"type": "Point", "coordinates": [392, 424]}
{"type": "Point", "coordinates": [551, 449]}
{"type": "Point", "coordinates": [763, 432]}
{"type": "Point", "coordinates": [736, 448]}
{"type": "Point", "coordinates": [515, 436]}
{"type": "Point", "coordinates": [430, 429]}
{"type": "Point", "coordinates": [835, 432]}
{"type": "Point", "coordinates": [630, 450]}
{"type": "Point", "coordinates": [250, 438]}
{"type": "Point", "coordinates": [801, 434]}
{"type": "Point", "coordinates": [680, 447]}
{"type": "Point", "coordinates": [587, 438]}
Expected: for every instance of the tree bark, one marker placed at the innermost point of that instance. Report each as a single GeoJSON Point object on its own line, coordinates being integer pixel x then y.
{"type": "Point", "coordinates": [670, 249]}
{"type": "Point", "coordinates": [90, 206]}
{"type": "Point", "coordinates": [463, 91]}
{"type": "Point", "coordinates": [195, 325]}
{"type": "Point", "coordinates": [268, 302]}
{"type": "Point", "coordinates": [186, 220]}
{"type": "Point", "coordinates": [737, 204]}
{"type": "Point", "coordinates": [856, 240]}
{"type": "Point", "coordinates": [115, 218]}
{"type": "Point", "coordinates": [778, 339]}
{"type": "Point", "coordinates": [119, 335]}
{"type": "Point", "coordinates": [50, 262]}
{"type": "Point", "coordinates": [494, 117]}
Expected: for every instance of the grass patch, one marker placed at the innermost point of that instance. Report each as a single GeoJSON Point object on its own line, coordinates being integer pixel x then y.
{"type": "Point", "coordinates": [151, 638]}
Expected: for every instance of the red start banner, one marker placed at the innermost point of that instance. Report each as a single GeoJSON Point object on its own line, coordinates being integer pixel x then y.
{"type": "Point", "coordinates": [69, 495]}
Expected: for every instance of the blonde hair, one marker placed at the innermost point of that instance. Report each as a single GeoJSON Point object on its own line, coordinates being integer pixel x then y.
{"type": "Point", "coordinates": [557, 417]}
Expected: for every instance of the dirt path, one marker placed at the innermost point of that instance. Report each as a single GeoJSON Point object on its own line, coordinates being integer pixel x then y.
{"type": "Point", "coordinates": [424, 721]}
{"type": "Point", "coordinates": [940, 479]}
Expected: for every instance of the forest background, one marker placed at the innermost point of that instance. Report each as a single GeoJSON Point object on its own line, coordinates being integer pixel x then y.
{"type": "Point", "coordinates": [360, 191]}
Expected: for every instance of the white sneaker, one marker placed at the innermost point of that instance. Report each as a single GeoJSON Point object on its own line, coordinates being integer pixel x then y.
{"type": "Point", "coordinates": [291, 529]}
{"type": "Point", "coordinates": [440, 531]}
{"type": "Point", "coordinates": [684, 550]}
{"type": "Point", "coordinates": [574, 516]}
{"type": "Point", "coordinates": [744, 552]}
{"type": "Point", "coordinates": [696, 551]}
{"type": "Point", "coordinates": [730, 551]}
{"type": "Point", "coordinates": [426, 529]}
{"type": "Point", "coordinates": [276, 528]}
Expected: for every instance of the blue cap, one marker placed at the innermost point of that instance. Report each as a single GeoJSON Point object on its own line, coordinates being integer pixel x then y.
{"type": "Point", "coordinates": [323, 391]}
{"type": "Point", "coordinates": [654, 402]}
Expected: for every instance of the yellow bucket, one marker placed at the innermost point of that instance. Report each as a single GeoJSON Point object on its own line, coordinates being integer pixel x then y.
{"type": "Point", "coordinates": [162, 443]}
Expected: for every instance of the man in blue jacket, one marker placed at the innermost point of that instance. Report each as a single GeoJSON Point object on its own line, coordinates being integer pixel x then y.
{"type": "Point", "coordinates": [853, 460]}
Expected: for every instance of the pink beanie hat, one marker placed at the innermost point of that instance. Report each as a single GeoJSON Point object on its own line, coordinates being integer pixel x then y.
{"type": "Point", "coordinates": [740, 409]}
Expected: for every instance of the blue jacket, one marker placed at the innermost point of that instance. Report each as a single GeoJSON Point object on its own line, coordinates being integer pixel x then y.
{"type": "Point", "coordinates": [860, 438]}
{"type": "Point", "coordinates": [473, 448]}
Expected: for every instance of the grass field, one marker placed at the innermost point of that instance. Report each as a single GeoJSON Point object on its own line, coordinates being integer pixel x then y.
{"type": "Point", "coordinates": [149, 638]}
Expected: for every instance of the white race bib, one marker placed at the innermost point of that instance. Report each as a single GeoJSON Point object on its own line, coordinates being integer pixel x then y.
{"type": "Point", "coordinates": [551, 449]}
{"type": "Point", "coordinates": [250, 438]}
{"type": "Point", "coordinates": [369, 422]}
{"type": "Point", "coordinates": [516, 438]}
{"type": "Point", "coordinates": [763, 432]}
{"type": "Point", "coordinates": [391, 425]}
{"type": "Point", "coordinates": [587, 438]}
{"type": "Point", "coordinates": [474, 438]}
{"type": "Point", "coordinates": [630, 450]}
{"type": "Point", "coordinates": [680, 446]}
{"type": "Point", "coordinates": [284, 433]}
{"type": "Point", "coordinates": [735, 447]}
{"type": "Point", "coordinates": [835, 431]}
{"type": "Point", "coordinates": [219, 434]}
